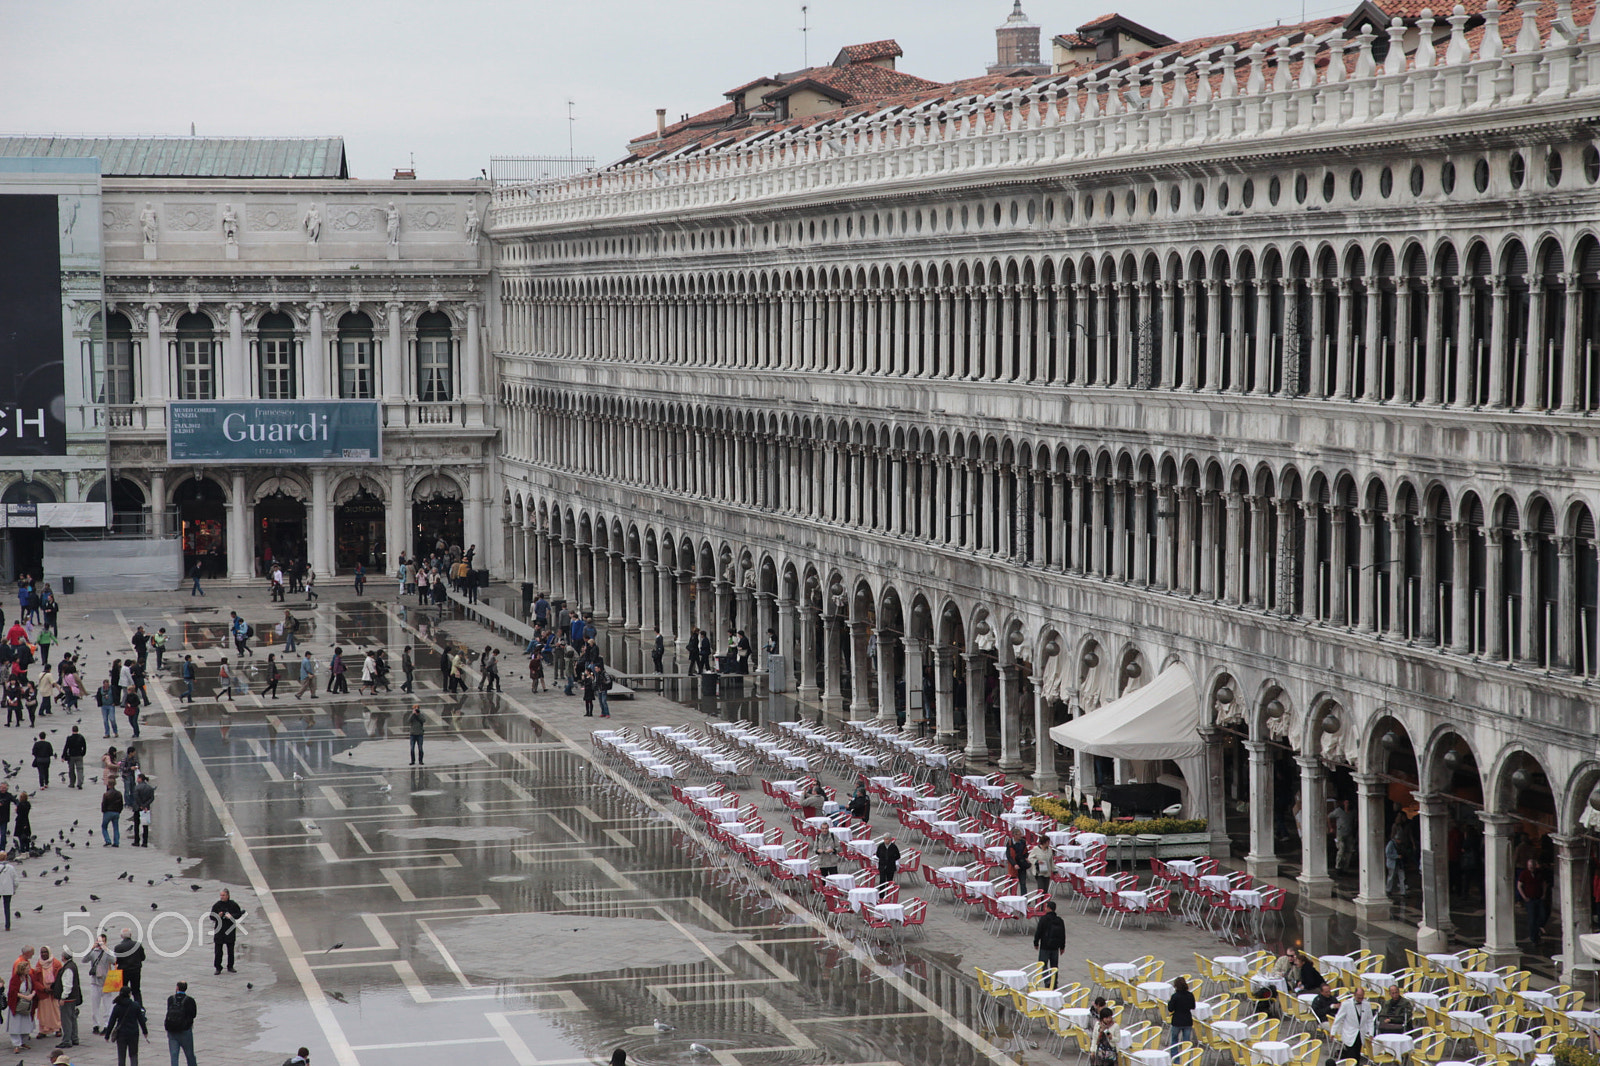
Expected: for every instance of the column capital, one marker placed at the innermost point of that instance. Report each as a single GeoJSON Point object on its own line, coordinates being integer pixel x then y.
{"type": "Point", "coordinates": [1496, 824]}
{"type": "Point", "coordinates": [1256, 748]}
{"type": "Point", "coordinates": [1370, 783]}
{"type": "Point", "coordinates": [1310, 764]}
{"type": "Point", "coordinates": [1570, 846]}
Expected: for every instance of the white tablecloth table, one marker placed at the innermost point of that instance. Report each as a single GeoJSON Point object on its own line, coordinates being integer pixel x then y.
{"type": "Point", "coordinates": [1247, 897]}
{"type": "Point", "coordinates": [1152, 1057]}
{"type": "Point", "coordinates": [1341, 963]}
{"type": "Point", "coordinates": [863, 846]}
{"type": "Point", "coordinates": [969, 840]}
{"type": "Point", "coordinates": [981, 888]}
{"type": "Point", "coordinates": [1423, 999]}
{"type": "Point", "coordinates": [755, 840]}
{"type": "Point", "coordinates": [1134, 899]}
{"type": "Point", "coordinates": [859, 896]}
{"type": "Point", "coordinates": [1518, 1043]}
{"type": "Point", "coordinates": [1061, 837]}
{"type": "Point", "coordinates": [1470, 1019]}
{"type": "Point", "coordinates": [990, 792]}
{"type": "Point", "coordinates": [1259, 981]}
{"type": "Point", "coordinates": [1187, 867]}
{"type": "Point", "coordinates": [1539, 999]}
{"type": "Point", "coordinates": [947, 826]}
{"type": "Point", "coordinates": [1237, 965]}
{"type": "Point", "coordinates": [1127, 971]}
{"type": "Point", "coordinates": [843, 882]}
{"type": "Point", "coordinates": [818, 822]}
{"type": "Point", "coordinates": [1203, 1011]}
{"type": "Point", "coordinates": [1484, 980]}
{"type": "Point", "coordinates": [1232, 1030]}
{"type": "Point", "coordinates": [1380, 981]}
{"type": "Point", "coordinates": [955, 873]}
{"type": "Point", "coordinates": [997, 854]}
{"type": "Point", "coordinates": [1048, 998]}
{"type": "Point", "coordinates": [736, 828]}
{"type": "Point", "coordinates": [1013, 904]}
{"type": "Point", "coordinates": [1394, 1043]}
{"type": "Point", "coordinates": [1216, 883]}
{"type": "Point", "coordinates": [1452, 963]}
{"type": "Point", "coordinates": [1275, 1052]}
{"type": "Point", "coordinates": [797, 866]}
{"type": "Point", "coordinates": [927, 802]}
{"type": "Point", "coordinates": [1017, 979]}
{"type": "Point", "coordinates": [1585, 1019]}
{"type": "Point", "coordinates": [774, 851]}
{"type": "Point", "coordinates": [1104, 884]}
{"type": "Point", "coordinates": [1160, 991]}
{"type": "Point", "coordinates": [695, 792]}
{"type": "Point", "coordinates": [890, 912]}
{"type": "Point", "coordinates": [1089, 840]}
{"type": "Point", "coordinates": [1075, 1017]}
{"type": "Point", "coordinates": [1073, 852]}
{"type": "Point", "coordinates": [842, 832]}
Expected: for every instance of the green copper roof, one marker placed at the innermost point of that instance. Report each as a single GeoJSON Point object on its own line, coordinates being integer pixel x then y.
{"type": "Point", "coordinates": [193, 157]}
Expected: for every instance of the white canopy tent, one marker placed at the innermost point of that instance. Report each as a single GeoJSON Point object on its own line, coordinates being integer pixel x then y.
{"type": "Point", "coordinates": [1157, 722]}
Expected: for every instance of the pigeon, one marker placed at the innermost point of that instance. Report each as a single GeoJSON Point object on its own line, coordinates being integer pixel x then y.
{"type": "Point", "coordinates": [194, 888]}
{"type": "Point", "coordinates": [94, 897]}
{"type": "Point", "coordinates": [39, 908]}
{"type": "Point", "coordinates": [82, 909]}
{"type": "Point", "coordinates": [149, 882]}
{"type": "Point", "coordinates": [663, 1027]}
{"type": "Point", "coordinates": [297, 777]}
{"type": "Point", "coordinates": [155, 906]}
{"type": "Point", "coordinates": [699, 1049]}
{"type": "Point", "coordinates": [335, 947]}
{"type": "Point", "coordinates": [338, 997]}
{"type": "Point", "coordinates": [248, 985]}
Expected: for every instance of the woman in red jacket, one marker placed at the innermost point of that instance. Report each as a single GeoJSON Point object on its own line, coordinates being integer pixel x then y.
{"type": "Point", "coordinates": [19, 1026]}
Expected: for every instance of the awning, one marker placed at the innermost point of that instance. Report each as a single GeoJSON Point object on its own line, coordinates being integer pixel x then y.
{"type": "Point", "coordinates": [1159, 721]}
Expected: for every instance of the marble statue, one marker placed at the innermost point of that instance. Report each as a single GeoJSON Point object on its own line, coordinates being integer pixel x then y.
{"type": "Point", "coordinates": [148, 224]}
{"type": "Point", "coordinates": [312, 224]}
{"type": "Point", "coordinates": [230, 224]}
{"type": "Point", "coordinates": [473, 224]}
{"type": "Point", "coordinates": [393, 214]}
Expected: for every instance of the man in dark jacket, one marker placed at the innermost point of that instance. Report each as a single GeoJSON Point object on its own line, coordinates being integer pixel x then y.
{"type": "Point", "coordinates": [226, 914]}
{"type": "Point", "coordinates": [179, 1023]}
{"type": "Point", "coordinates": [69, 994]}
{"type": "Point", "coordinates": [888, 856]}
{"type": "Point", "coordinates": [125, 1024]}
{"type": "Point", "coordinates": [130, 958]}
{"type": "Point", "coordinates": [43, 753]}
{"type": "Point", "coordinates": [144, 799]}
{"type": "Point", "coordinates": [74, 750]}
{"type": "Point", "coordinates": [1050, 936]}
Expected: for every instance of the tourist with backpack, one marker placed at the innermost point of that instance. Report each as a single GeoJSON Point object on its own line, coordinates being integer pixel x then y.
{"type": "Point", "coordinates": [179, 1023]}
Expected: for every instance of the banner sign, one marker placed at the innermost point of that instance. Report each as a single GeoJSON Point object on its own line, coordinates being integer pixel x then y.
{"type": "Point", "coordinates": [32, 372]}
{"type": "Point", "coordinates": [286, 431]}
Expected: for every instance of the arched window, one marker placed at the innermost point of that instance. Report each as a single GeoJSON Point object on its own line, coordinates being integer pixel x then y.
{"type": "Point", "coordinates": [435, 359]}
{"type": "Point", "coordinates": [355, 357]}
{"type": "Point", "coordinates": [275, 356]}
{"type": "Point", "coordinates": [113, 372]}
{"type": "Point", "coordinates": [197, 358]}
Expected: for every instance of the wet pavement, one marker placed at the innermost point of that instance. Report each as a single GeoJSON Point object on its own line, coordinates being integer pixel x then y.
{"type": "Point", "coordinates": [518, 902]}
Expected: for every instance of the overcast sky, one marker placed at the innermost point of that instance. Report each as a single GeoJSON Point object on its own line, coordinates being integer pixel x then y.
{"type": "Point", "coordinates": [454, 83]}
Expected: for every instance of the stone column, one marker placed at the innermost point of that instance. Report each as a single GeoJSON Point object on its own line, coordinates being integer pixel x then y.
{"type": "Point", "coordinates": [1344, 339]}
{"type": "Point", "coordinates": [471, 367]}
{"type": "Point", "coordinates": [1208, 547]}
{"type": "Point", "coordinates": [806, 668]}
{"type": "Point", "coordinates": [886, 710]}
{"type": "Point", "coordinates": [721, 617]}
{"type": "Point", "coordinates": [395, 522]}
{"type": "Point", "coordinates": [318, 535]}
{"type": "Point", "coordinates": [1433, 932]}
{"type": "Point", "coordinates": [632, 596]}
{"type": "Point", "coordinates": [1045, 776]}
{"type": "Point", "coordinates": [666, 615]}
{"type": "Point", "coordinates": [1565, 652]}
{"type": "Point", "coordinates": [1141, 533]}
{"type": "Point", "coordinates": [860, 673]}
{"type": "Point", "coordinates": [473, 518]}
{"type": "Point", "coordinates": [832, 696]}
{"type": "Point", "coordinates": [1571, 895]}
{"type": "Point", "coordinates": [1460, 589]}
{"type": "Point", "coordinates": [393, 384]}
{"type": "Point", "coordinates": [241, 545]}
{"type": "Point", "coordinates": [158, 503]}
{"type": "Point", "coordinates": [977, 723]}
{"type": "Point", "coordinates": [1371, 834]}
{"type": "Point", "coordinates": [1500, 914]}
{"type": "Point", "coordinates": [944, 688]}
{"type": "Point", "coordinates": [1529, 650]}
{"type": "Point", "coordinates": [685, 619]}
{"type": "Point", "coordinates": [916, 703]}
{"type": "Point", "coordinates": [1262, 861]}
{"type": "Point", "coordinates": [1314, 880]}
{"type": "Point", "coordinates": [1235, 546]}
{"type": "Point", "coordinates": [235, 366]}
{"type": "Point", "coordinates": [1010, 720]}
{"type": "Point", "coordinates": [1215, 807]}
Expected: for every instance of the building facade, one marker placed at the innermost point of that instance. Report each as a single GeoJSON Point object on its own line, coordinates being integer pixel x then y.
{"type": "Point", "coordinates": [249, 270]}
{"type": "Point", "coordinates": [1270, 360]}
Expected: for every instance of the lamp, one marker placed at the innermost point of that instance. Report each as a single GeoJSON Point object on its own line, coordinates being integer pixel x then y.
{"type": "Point", "coordinates": [1453, 760]}
{"type": "Point", "coordinates": [1520, 779]}
{"type": "Point", "coordinates": [1390, 740]}
{"type": "Point", "coordinates": [1330, 724]}
{"type": "Point", "coordinates": [1594, 799]}
{"type": "Point", "coordinates": [1275, 708]}
{"type": "Point", "coordinates": [1133, 669]}
{"type": "Point", "coordinates": [1090, 660]}
{"type": "Point", "coordinates": [1224, 695]}
{"type": "Point", "coordinates": [1052, 647]}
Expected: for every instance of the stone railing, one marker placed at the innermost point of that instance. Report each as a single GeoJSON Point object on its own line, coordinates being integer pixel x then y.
{"type": "Point", "coordinates": [1312, 88]}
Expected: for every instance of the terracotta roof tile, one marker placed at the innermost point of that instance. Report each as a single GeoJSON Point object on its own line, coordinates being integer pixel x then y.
{"type": "Point", "coordinates": [864, 53]}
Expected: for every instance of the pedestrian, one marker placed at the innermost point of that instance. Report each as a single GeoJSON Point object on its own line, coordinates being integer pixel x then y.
{"type": "Point", "coordinates": [311, 592]}
{"type": "Point", "coordinates": [69, 997]}
{"type": "Point", "coordinates": [44, 753]}
{"type": "Point", "coordinates": [1354, 1024]}
{"type": "Point", "coordinates": [124, 1026]}
{"type": "Point", "coordinates": [308, 677]}
{"type": "Point", "coordinates": [658, 651]}
{"type": "Point", "coordinates": [491, 672]}
{"type": "Point", "coordinates": [1017, 859]}
{"type": "Point", "coordinates": [1042, 858]}
{"type": "Point", "coordinates": [414, 725]}
{"type": "Point", "coordinates": [446, 663]}
{"type": "Point", "coordinates": [273, 674]}
{"type": "Point", "coordinates": [860, 806]}
{"type": "Point", "coordinates": [8, 885]}
{"type": "Point", "coordinates": [44, 639]}
{"type": "Point", "coordinates": [195, 589]}
{"type": "Point", "coordinates": [46, 1011]}
{"type": "Point", "coordinates": [1342, 823]}
{"type": "Point", "coordinates": [19, 1002]}
{"type": "Point", "coordinates": [225, 915]}
{"type": "Point", "coordinates": [130, 710]}
{"type": "Point", "coordinates": [360, 579]}
{"type": "Point", "coordinates": [1395, 875]}
{"type": "Point", "coordinates": [888, 856]}
{"type": "Point", "coordinates": [336, 681]}
{"type": "Point", "coordinates": [536, 670]}
{"type": "Point", "coordinates": [130, 770]}
{"type": "Point", "coordinates": [74, 749]}
{"type": "Point", "coordinates": [116, 682]}
{"type": "Point", "coordinates": [1534, 891]}
{"type": "Point", "coordinates": [458, 673]}
{"type": "Point", "coordinates": [158, 644]}
{"type": "Point", "coordinates": [179, 1024]}
{"type": "Point", "coordinates": [409, 668]}
{"type": "Point", "coordinates": [23, 826]}
{"type": "Point", "coordinates": [188, 679]}
{"type": "Point", "coordinates": [1180, 1007]}
{"type": "Point", "coordinates": [1050, 936]}
{"type": "Point", "coordinates": [589, 689]}
{"type": "Point", "coordinates": [111, 804]}
{"type": "Point", "coordinates": [224, 680]}
{"type": "Point", "coordinates": [144, 800]}
{"type": "Point", "coordinates": [602, 688]}
{"type": "Point", "coordinates": [46, 688]}
{"type": "Point", "coordinates": [291, 626]}
{"type": "Point", "coordinates": [7, 801]}
{"type": "Point", "coordinates": [98, 963]}
{"type": "Point", "coordinates": [299, 1058]}
{"type": "Point", "coordinates": [130, 960]}
{"type": "Point", "coordinates": [369, 674]}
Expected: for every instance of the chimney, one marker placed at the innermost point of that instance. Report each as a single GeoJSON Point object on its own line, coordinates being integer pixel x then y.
{"type": "Point", "coordinates": [661, 122]}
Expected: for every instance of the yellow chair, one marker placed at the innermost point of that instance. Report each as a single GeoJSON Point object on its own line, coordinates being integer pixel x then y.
{"type": "Point", "coordinates": [1306, 1052]}
{"type": "Point", "coordinates": [1189, 1056]}
{"type": "Point", "coordinates": [1429, 1047]}
{"type": "Point", "coordinates": [1076, 995]}
{"type": "Point", "coordinates": [1570, 1000]}
{"type": "Point", "coordinates": [1262, 1029]}
{"type": "Point", "coordinates": [1145, 1037]}
{"type": "Point", "coordinates": [1223, 1008]}
{"type": "Point", "coordinates": [1367, 961]}
{"type": "Point", "coordinates": [1098, 975]}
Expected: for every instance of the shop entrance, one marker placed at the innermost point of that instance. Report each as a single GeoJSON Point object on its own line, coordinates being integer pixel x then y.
{"type": "Point", "coordinates": [433, 521]}
{"type": "Point", "coordinates": [280, 531]}
{"type": "Point", "coordinates": [25, 546]}
{"type": "Point", "coordinates": [203, 524]}
{"type": "Point", "coordinates": [358, 534]}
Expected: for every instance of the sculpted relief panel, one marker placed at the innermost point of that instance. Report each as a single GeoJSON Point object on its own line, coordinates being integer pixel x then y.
{"type": "Point", "coordinates": [346, 218]}
{"type": "Point", "coordinates": [272, 218]}
{"type": "Point", "coordinates": [191, 218]}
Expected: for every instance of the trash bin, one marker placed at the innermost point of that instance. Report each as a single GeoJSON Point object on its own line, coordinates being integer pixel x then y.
{"type": "Point", "coordinates": [777, 674]}
{"type": "Point", "coordinates": [708, 684]}
{"type": "Point", "coordinates": [69, 585]}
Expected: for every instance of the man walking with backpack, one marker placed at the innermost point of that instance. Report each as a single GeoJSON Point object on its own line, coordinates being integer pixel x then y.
{"type": "Point", "coordinates": [188, 679]}
{"type": "Point", "coordinates": [181, 1011]}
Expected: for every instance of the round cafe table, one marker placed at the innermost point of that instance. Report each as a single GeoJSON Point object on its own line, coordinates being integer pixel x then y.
{"type": "Point", "coordinates": [1017, 979]}
{"type": "Point", "coordinates": [1187, 867]}
{"type": "Point", "coordinates": [1075, 1017]}
{"type": "Point", "coordinates": [1379, 981]}
{"type": "Point", "coordinates": [1152, 1057]}
{"type": "Point", "coordinates": [860, 896]}
{"type": "Point", "coordinates": [1516, 1043]}
{"type": "Point", "coordinates": [890, 912]}
{"type": "Point", "coordinates": [955, 873]}
{"type": "Point", "coordinates": [1048, 998]}
{"type": "Point", "coordinates": [1470, 1019]}
{"type": "Point", "coordinates": [1423, 999]}
{"type": "Point", "coordinates": [970, 840]}
{"type": "Point", "coordinates": [1342, 963]}
{"type": "Point", "coordinates": [1588, 1020]}
{"type": "Point", "coordinates": [1237, 965]}
{"type": "Point", "coordinates": [1013, 904]}
{"type": "Point", "coordinates": [1127, 971]}
{"type": "Point", "coordinates": [1395, 1044]}
{"type": "Point", "coordinates": [1135, 900]}
{"type": "Point", "coordinates": [1216, 883]}
{"type": "Point", "coordinates": [1276, 1052]}
{"type": "Point", "coordinates": [843, 882]}
{"type": "Point", "coordinates": [1484, 980]}
{"type": "Point", "coordinates": [1161, 991]}
{"type": "Point", "coordinates": [774, 851]}
{"type": "Point", "coordinates": [981, 888]}
{"type": "Point", "coordinates": [1232, 1030]}
{"type": "Point", "coordinates": [799, 867]}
